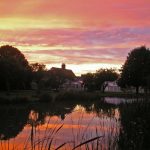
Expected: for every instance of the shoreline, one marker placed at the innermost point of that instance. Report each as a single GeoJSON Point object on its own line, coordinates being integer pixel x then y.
{"type": "Point", "coordinates": [28, 96]}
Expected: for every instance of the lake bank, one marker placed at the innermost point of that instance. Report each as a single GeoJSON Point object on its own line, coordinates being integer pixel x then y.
{"type": "Point", "coordinates": [27, 96]}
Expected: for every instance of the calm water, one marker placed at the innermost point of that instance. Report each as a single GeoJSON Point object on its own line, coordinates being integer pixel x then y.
{"type": "Point", "coordinates": [34, 126]}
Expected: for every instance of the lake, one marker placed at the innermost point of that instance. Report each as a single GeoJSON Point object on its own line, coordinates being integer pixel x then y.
{"type": "Point", "coordinates": [104, 124]}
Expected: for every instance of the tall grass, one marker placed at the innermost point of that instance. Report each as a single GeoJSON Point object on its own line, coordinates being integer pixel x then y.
{"type": "Point", "coordinates": [84, 138]}
{"type": "Point", "coordinates": [135, 120]}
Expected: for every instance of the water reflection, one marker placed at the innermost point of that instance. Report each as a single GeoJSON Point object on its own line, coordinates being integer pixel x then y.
{"type": "Point", "coordinates": [80, 121]}
{"type": "Point", "coordinates": [121, 126]}
{"type": "Point", "coordinates": [13, 119]}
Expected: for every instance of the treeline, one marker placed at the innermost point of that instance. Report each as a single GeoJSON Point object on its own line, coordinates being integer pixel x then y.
{"type": "Point", "coordinates": [16, 73]}
{"type": "Point", "coordinates": [96, 81]}
{"type": "Point", "coordinates": [134, 73]}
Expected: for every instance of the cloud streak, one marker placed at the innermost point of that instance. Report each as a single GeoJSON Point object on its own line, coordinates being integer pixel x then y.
{"type": "Point", "coordinates": [75, 32]}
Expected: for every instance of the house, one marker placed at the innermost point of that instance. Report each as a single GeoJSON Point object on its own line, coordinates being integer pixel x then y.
{"type": "Point", "coordinates": [66, 78]}
{"type": "Point", "coordinates": [112, 86]}
{"type": "Point", "coordinates": [76, 85]}
{"type": "Point", "coordinates": [62, 72]}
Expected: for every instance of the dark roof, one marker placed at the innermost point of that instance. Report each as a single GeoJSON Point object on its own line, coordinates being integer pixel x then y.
{"type": "Point", "coordinates": [66, 72]}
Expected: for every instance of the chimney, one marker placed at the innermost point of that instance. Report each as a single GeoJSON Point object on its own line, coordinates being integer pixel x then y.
{"type": "Point", "coordinates": [63, 66]}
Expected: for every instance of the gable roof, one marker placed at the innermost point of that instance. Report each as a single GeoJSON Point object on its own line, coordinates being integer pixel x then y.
{"type": "Point", "coordinates": [67, 73]}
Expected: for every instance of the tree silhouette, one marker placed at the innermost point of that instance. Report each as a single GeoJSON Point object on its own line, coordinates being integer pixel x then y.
{"type": "Point", "coordinates": [38, 71]}
{"type": "Point", "coordinates": [38, 67]}
{"type": "Point", "coordinates": [103, 75]}
{"type": "Point", "coordinates": [136, 70]}
{"type": "Point", "coordinates": [14, 68]}
{"type": "Point", "coordinates": [89, 81]}
{"type": "Point", "coordinates": [95, 81]}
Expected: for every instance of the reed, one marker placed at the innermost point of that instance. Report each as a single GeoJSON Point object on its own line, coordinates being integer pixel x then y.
{"type": "Point", "coordinates": [84, 138]}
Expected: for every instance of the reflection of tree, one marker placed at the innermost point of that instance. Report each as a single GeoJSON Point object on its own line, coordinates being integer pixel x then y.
{"type": "Point", "coordinates": [135, 120]}
{"type": "Point", "coordinates": [33, 118]}
{"type": "Point", "coordinates": [60, 109]}
{"type": "Point", "coordinates": [13, 120]}
{"type": "Point", "coordinates": [100, 107]}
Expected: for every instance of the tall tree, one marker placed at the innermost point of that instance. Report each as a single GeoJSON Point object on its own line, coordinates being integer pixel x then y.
{"type": "Point", "coordinates": [38, 71]}
{"type": "Point", "coordinates": [14, 68]}
{"type": "Point", "coordinates": [38, 75]}
{"type": "Point", "coordinates": [136, 69]}
{"type": "Point", "coordinates": [37, 67]}
{"type": "Point", "coordinates": [103, 75]}
{"type": "Point", "coordinates": [89, 81]}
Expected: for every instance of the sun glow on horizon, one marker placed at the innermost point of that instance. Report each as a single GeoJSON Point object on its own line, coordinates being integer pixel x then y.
{"type": "Point", "coordinates": [80, 69]}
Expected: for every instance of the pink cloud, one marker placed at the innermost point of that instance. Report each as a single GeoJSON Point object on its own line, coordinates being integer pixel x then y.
{"type": "Point", "coordinates": [77, 46]}
{"type": "Point", "coordinates": [86, 13]}
{"type": "Point", "coordinates": [115, 56]}
{"type": "Point", "coordinates": [78, 37]}
{"type": "Point", "coordinates": [101, 31]}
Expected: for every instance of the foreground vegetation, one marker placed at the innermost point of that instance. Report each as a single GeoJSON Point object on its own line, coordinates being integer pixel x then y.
{"type": "Point", "coordinates": [135, 121]}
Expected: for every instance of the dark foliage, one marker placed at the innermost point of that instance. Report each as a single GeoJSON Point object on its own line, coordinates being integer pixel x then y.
{"type": "Point", "coordinates": [95, 81]}
{"type": "Point", "coordinates": [15, 72]}
{"type": "Point", "coordinates": [38, 71]}
{"type": "Point", "coordinates": [89, 81]}
{"type": "Point", "coordinates": [103, 75]}
{"type": "Point", "coordinates": [136, 70]}
{"type": "Point", "coordinates": [13, 120]}
{"type": "Point", "coordinates": [135, 129]}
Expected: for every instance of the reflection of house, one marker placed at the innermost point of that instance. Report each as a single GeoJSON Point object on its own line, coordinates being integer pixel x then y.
{"type": "Point", "coordinates": [73, 85]}
{"type": "Point", "coordinates": [112, 86]}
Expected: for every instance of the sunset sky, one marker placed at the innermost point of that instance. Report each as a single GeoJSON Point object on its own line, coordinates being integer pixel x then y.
{"type": "Point", "coordinates": [84, 34]}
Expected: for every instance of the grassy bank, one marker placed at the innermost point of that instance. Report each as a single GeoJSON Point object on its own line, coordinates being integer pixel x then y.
{"type": "Point", "coordinates": [48, 96]}
{"type": "Point", "coordinates": [25, 96]}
